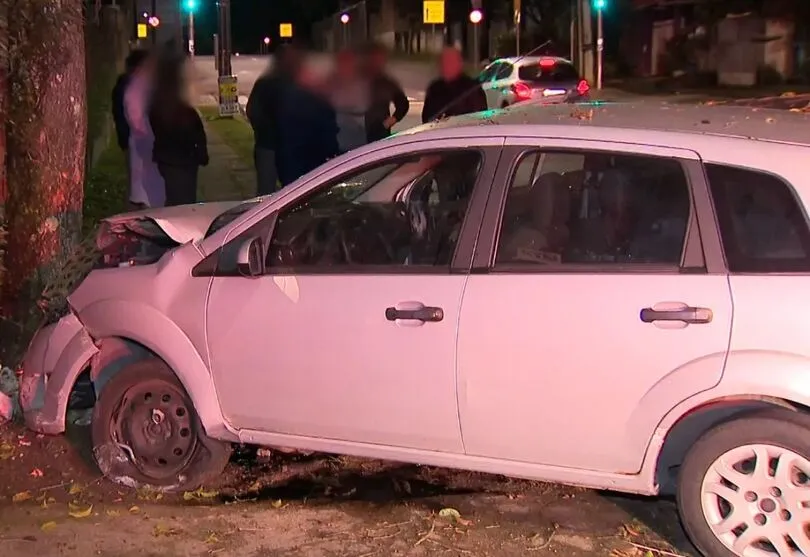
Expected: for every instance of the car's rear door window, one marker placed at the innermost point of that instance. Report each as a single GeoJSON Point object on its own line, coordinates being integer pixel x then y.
{"type": "Point", "coordinates": [548, 73]}
{"type": "Point", "coordinates": [762, 224]}
{"type": "Point", "coordinates": [568, 208]}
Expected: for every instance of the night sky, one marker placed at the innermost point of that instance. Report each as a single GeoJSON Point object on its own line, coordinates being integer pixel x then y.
{"type": "Point", "coordinates": [252, 20]}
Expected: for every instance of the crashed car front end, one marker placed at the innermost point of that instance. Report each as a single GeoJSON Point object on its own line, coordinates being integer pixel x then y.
{"type": "Point", "coordinates": [63, 349]}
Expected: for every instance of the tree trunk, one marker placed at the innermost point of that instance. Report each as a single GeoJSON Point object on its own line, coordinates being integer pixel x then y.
{"type": "Point", "coordinates": [46, 131]}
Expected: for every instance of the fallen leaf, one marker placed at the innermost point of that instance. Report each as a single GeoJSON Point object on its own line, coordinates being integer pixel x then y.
{"type": "Point", "coordinates": [277, 504]}
{"type": "Point", "coordinates": [75, 489]}
{"type": "Point", "coordinates": [212, 538]}
{"type": "Point", "coordinates": [21, 496]}
{"type": "Point", "coordinates": [36, 473]}
{"type": "Point", "coordinates": [112, 512]}
{"type": "Point", "coordinates": [24, 443]}
{"type": "Point", "coordinates": [6, 451]}
{"type": "Point", "coordinates": [134, 509]}
{"type": "Point", "coordinates": [48, 526]}
{"type": "Point", "coordinates": [199, 494]}
{"type": "Point", "coordinates": [450, 513]}
{"type": "Point", "coordinates": [255, 486]}
{"type": "Point", "coordinates": [163, 530]}
{"type": "Point", "coordinates": [770, 120]}
{"type": "Point", "coordinates": [76, 510]}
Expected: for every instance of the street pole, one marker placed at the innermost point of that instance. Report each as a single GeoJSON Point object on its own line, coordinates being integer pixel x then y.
{"type": "Point", "coordinates": [476, 49]}
{"type": "Point", "coordinates": [191, 34]}
{"type": "Point", "coordinates": [518, 11]}
{"type": "Point", "coordinates": [600, 43]}
{"type": "Point", "coordinates": [154, 29]}
{"type": "Point", "coordinates": [225, 67]}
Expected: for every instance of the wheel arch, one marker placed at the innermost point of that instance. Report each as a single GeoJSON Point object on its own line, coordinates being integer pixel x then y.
{"type": "Point", "coordinates": [127, 332]}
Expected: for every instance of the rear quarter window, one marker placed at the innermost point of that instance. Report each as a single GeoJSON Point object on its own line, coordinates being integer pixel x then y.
{"type": "Point", "coordinates": [561, 72]}
{"type": "Point", "coordinates": [762, 223]}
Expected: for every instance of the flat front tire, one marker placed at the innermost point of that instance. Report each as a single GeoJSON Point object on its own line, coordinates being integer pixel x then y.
{"type": "Point", "coordinates": [146, 432]}
{"type": "Point", "coordinates": [744, 487]}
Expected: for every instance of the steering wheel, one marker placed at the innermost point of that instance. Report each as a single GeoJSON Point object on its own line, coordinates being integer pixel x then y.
{"type": "Point", "coordinates": [356, 236]}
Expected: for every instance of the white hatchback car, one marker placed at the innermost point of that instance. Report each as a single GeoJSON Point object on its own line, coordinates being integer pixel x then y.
{"type": "Point", "coordinates": [600, 295]}
{"type": "Point", "coordinates": [546, 79]}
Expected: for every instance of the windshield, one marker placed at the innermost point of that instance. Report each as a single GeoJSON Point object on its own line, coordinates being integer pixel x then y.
{"type": "Point", "coordinates": [560, 72]}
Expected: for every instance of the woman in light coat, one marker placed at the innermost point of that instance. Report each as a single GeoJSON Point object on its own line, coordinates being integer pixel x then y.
{"type": "Point", "coordinates": [146, 187]}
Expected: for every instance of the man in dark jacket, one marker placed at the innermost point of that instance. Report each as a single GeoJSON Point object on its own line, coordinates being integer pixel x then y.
{"type": "Point", "coordinates": [454, 92]}
{"type": "Point", "coordinates": [262, 112]}
{"type": "Point", "coordinates": [385, 91]}
{"type": "Point", "coordinates": [134, 60]}
{"type": "Point", "coordinates": [307, 126]}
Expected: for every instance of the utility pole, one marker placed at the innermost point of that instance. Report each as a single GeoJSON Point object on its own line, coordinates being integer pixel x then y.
{"type": "Point", "coordinates": [599, 6]}
{"type": "Point", "coordinates": [586, 41]}
{"type": "Point", "coordinates": [153, 13]}
{"type": "Point", "coordinates": [518, 13]}
{"type": "Point", "coordinates": [225, 37]}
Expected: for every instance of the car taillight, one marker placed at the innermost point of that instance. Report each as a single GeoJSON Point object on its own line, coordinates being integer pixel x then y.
{"type": "Point", "coordinates": [583, 87]}
{"type": "Point", "coordinates": [522, 91]}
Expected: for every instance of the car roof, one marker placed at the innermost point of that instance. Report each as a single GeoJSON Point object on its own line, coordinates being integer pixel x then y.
{"type": "Point", "coordinates": [528, 60]}
{"type": "Point", "coordinates": [731, 121]}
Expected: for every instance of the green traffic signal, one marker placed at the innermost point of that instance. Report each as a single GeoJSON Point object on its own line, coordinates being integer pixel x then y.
{"type": "Point", "coordinates": [599, 5]}
{"type": "Point", "coordinates": [190, 5]}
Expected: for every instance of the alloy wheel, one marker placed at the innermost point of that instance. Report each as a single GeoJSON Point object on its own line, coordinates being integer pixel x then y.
{"type": "Point", "coordinates": [756, 501]}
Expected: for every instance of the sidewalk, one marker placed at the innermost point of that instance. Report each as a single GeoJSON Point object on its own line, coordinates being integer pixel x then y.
{"type": "Point", "coordinates": [228, 176]}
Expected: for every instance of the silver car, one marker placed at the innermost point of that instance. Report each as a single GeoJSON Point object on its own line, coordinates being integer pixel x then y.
{"type": "Point", "coordinates": [544, 79]}
{"type": "Point", "coordinates": [606, 296]}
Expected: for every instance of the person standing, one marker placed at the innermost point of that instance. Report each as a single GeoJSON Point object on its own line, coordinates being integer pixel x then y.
{"type": "Point", "coordinates": [350, 96]}
{"type": "Point", "coordinates": [307, 127]}
{"type": "Point", "coordinates": [262, 113]}
{"type": "Point", "coordinates": [133, 61]}
{"type": "Point", "coordinates": [146, 188]}
{"type": "Point", "coordinates": [180, 146]}
{"type": "Point", "coordinates": [453, 93]}
{"type": "Point", "coordinates": [384, 91]}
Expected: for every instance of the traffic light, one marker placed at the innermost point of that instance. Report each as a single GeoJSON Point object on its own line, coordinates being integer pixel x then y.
{"type": "Point", "coordinates": [190, 5]}
{"type": "Point", "coordinates": [599, 5]}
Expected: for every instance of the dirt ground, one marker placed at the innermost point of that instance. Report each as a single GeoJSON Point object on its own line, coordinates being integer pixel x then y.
{"type": "Point", "coordinates": [53, 502]}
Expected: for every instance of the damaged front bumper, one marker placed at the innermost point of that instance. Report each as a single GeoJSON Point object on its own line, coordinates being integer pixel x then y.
{"type": "Point", "coordinates": [56, 357]}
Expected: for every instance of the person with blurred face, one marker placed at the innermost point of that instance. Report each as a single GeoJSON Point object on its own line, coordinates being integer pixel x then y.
{"type": "Point", "coordinates": [453, 92]}
{"type": "Point", "coordinates": [350, 96]}
{"type": "Point", "coordinates": [262, 112]}
{"type": "Point", "coordinates": [384, 91]}
{"type": "Point", "coordinates": [146, 187]}
{"type": "Point", "coordinates": [307, 126]}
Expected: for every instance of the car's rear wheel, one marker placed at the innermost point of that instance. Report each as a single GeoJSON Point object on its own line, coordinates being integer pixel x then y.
{"type": "Point", "coordinates": [504, 104]}
{"type": "Point", "coordinates": [744, 487]}
{"type": "Point", "coordinates": [146, 431]}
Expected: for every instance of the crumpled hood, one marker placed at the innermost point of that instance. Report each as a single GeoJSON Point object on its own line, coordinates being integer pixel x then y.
{"type": "Point", "coordinates": [182, 223]}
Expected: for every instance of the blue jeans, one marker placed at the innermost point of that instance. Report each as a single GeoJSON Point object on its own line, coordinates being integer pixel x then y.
{"type": "Point", "coordinates": [266, 170]}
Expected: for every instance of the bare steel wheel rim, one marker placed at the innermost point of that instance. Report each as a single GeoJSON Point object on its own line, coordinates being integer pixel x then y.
{"type": "Point", "coordinates": [154, 422]}
{"type": "Point", "coordinates": [756, 501]}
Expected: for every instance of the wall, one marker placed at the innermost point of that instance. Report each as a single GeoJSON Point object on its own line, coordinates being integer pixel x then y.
{"type": "Point", "coordinates": [738, 55]}
{"type": "Point", "coordinates": [778, 47]}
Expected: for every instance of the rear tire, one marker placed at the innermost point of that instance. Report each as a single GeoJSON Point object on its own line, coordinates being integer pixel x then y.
{"type": "Point", "coordinates": [146, 432]}
{"type": "Point", "coordinates": [742, 485]}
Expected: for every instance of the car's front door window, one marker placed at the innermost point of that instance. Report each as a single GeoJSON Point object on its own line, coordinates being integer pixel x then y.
{"type": "Point", "coordinates": [405, 212]}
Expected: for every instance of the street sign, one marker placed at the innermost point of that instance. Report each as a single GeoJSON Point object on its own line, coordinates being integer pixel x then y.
{"type": "Point", "coordinates": [228, 96]}
{"type": "Point", "coordinates": [142, 30]}
{"type": "Point", "coordinates": [433, 12]}
{"type": "Point", "coordinates": [285, 30]}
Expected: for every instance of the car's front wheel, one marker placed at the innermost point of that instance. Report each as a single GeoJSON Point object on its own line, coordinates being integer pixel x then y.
{"type": "Point", "coordinates": [744, 487]}
{"type": "Point", "coordinates": [146, 432]}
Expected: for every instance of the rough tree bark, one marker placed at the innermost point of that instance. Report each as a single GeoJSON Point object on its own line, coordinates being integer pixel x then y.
{"type": "Point", "coordinates": [46, 129]}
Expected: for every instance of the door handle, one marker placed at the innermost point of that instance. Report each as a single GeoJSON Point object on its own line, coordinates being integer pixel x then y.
{"type": "Point", "coordinates": [686, 314]}
{"type": "Point", "coordinates": [419, 314]}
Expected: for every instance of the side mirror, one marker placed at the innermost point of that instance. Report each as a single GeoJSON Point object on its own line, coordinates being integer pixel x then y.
{"type": "Point", "coordinates": [250, 259]}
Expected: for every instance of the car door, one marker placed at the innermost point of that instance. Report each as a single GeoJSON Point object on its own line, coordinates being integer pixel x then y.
{"type": "Point", "coordinates": [349, 334]}
{"type": "Point", "coordinates": [591, 310]}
